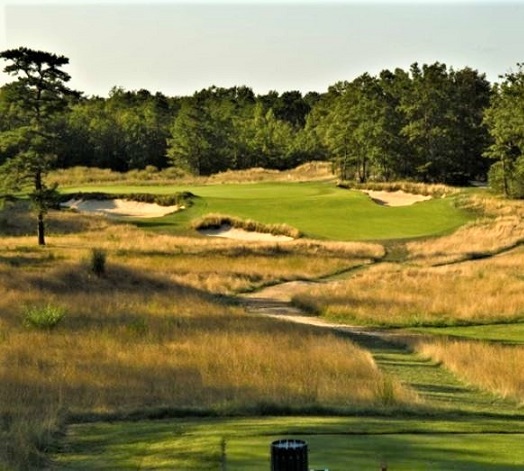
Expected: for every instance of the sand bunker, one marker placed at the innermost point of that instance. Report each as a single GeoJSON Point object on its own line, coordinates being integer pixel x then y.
{"type": "Point", "coordinates": [395, 198]}
{"type": "Point", "coordinates": [229, 232]}
{"type": "Point", "coordinates": [121, 208]}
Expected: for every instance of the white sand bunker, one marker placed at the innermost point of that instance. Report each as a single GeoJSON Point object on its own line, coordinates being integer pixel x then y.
{"type": "Point", "coordinates": [229, 232]}
{"type": "Point", "coordinates": [119, 208]}
{"type": "Point", "coordinates": [395, 198]}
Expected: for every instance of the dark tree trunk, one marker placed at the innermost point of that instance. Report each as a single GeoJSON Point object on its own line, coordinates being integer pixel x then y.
{"type": "Point", "coordinates": [41, 229]}
{"type": "Point", "coordinates": [39, 187]}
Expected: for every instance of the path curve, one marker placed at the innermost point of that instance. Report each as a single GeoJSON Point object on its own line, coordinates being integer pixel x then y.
{"type": "Point", "coordinates": [436, 386]}
{"type": "Point", "coordinates": [275, 302]}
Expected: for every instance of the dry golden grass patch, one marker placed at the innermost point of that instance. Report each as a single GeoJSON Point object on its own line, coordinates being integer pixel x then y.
{"type": "Point", "coordinates": [150, 335]}
{"type": "Point", "coordinates": [309, 171]}
{"type": "Point", "coordinates": [500, 226]}
{"type": "Point", "coordinates": [497, 368]}
{"type": "Point", "coordinates": [132, 342]}
{"type": "Point", "coordinates": [484, 291]}
{"type": "Point", "coordinates": [211, 264]}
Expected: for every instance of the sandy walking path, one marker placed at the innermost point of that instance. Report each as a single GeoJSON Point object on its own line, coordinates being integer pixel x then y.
{"type": "Point", "coordinates": [275, 302]}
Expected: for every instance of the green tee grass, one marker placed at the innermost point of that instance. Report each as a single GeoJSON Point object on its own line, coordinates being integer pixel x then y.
{"type": "Point", "coordinates": [357, 443]}
{"type": "Point", "coordinates": [318, 210]}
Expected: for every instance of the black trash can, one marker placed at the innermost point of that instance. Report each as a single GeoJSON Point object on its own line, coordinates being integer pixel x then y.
{"type": "Point", "coordinates": [289, 455]}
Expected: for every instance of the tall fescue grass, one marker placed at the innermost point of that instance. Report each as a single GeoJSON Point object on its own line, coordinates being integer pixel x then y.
{"type": "Point", "coordinates": [500, 226]}
{"type": "Point", "coordinates": [149, 335]}
{"type": "Point", "coordinates": [83, 175]}
{"type": "Point", "coordinates": [92, 175]}
{"type": "Point", "coordinates": [496, 368]}
{"type": "Point", "coordinates": [485, 291]}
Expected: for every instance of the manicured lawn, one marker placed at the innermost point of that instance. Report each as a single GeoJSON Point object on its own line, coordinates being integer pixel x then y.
{"type": "Point", "coordinates": [334, 443]}
{"type": "Point", "coordinates": [319, 210]}
{"type": "Point", "coordinates": [504, 333]}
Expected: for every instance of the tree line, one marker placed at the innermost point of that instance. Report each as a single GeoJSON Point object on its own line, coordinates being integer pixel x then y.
{"type": "Point", "coordinates": [430, 123]}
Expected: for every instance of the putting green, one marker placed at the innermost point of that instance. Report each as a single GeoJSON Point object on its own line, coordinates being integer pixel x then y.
{"type": "Point", "coordinates": [318, 210]}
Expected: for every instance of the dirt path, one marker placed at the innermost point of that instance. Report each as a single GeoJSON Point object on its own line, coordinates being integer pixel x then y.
{"type": "Point", "coordinates": [437, 387]}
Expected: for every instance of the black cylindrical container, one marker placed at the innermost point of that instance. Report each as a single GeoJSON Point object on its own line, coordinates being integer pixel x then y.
{"type": "Point", "coordinates": [289, 455]}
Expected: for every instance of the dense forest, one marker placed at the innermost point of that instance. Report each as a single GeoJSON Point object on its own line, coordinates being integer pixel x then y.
{"type": "Point", "coordinates": [430, 123]}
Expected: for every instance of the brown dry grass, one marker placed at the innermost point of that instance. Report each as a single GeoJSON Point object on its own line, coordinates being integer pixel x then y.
{"type": "Point", "coordinates": [74, 176]}
{"type": "Point", "coordinates": [500, 225]}
{"type": "Point", "coordinates": [484, 291]}
{"type": "Point", "coordinates": [150, 335]}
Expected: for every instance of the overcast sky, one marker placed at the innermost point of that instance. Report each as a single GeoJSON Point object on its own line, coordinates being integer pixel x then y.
{"type": "Point", "coordinates": [179, 47]}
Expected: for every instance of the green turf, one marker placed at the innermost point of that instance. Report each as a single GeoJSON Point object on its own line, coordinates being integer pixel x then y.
{"type": "Point", "coordinates": [319, 210]}
{"type": "Point", "coordinates": [512, 334]}
{"type": "Point", "coordinates": [357, 443]}
{"type": "Point", "coordinates": [440, 390]}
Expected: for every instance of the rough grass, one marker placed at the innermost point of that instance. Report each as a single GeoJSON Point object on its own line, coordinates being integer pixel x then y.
{"type": "Point", "coordinates": [83, 175]}
{"type": "Point", "coordinates": [500, 226]}
{"type": "Point", "coordinates": [481, 292]}
{"type": "Point", "coordinates": [148, 335]}
{"type": "Point", "coordinates": [432, 288]}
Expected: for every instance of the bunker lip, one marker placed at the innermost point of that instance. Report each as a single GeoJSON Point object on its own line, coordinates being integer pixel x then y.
{"type": "Point", "coordinates": [119, 208]}
{"type": "Point", "coordinates": [395, 198]}
{"type": "Point", "coordinates": [229, 232]}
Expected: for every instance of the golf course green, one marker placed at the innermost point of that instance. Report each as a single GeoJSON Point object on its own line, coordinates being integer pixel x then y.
{"type": "Point", "coordinates": [319, 210]}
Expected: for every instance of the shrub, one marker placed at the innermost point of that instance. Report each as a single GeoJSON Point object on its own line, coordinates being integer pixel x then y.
{"type": "Point", "coordinates": [98, 262]}
{"type": "Point", "coordinates": [43, 317]}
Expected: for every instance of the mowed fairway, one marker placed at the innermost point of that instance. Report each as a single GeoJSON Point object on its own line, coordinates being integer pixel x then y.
{"type": "Point", "coordinates": [318, 210]}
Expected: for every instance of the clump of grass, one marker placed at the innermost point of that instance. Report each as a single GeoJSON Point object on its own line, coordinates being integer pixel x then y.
{"type": "Point", "coordinates": [44, 317]}
{"type": "Point", "coordinates": [385, 391]}
{"type": "Point", "coordinates": [216, 221]}
{"type": "Point", "coordinates": [98, 262]}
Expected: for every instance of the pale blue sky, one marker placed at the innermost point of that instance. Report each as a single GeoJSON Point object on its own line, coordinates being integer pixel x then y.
{"type": "Point", "coordinates": [179, 47]}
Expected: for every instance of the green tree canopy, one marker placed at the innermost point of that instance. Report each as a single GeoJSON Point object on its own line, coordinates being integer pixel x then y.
{"type": "Point", "coordinates": [37, 98]}
{"type": "Point", "coordinates": [505, 121]}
